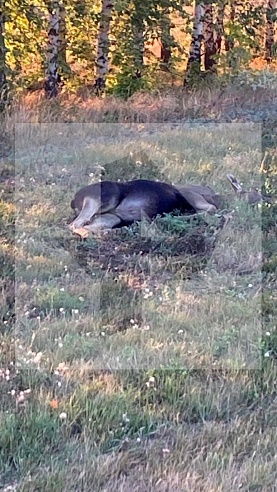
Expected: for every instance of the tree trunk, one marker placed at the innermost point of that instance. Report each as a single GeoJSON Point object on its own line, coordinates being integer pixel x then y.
{"type": "Point", "coordinates": [137, 23]}
{"type": "Point", "coordinates": [197, 37]}
{"type": "Point", "coordinates": [103, 44]}
{"type": "Point", "coordinates": [166, 40]}
{"type": "Point", "coordinates": [52, 80]}
{"type": "Point", "coordinates": [3, 78]}
{"type": "Point", "coordinates": [209, 39]}
{"type": "Point", "coordinates": [62, 38]}
{"type": "Point", "coordinates": [229, 40]}
{"type": "Point", "coordinates": [220, 25]}
{"type": "Point", "coordinates": [270, 30]}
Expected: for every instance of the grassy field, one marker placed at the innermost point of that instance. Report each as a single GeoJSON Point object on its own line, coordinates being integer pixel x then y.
{"type": "Point", "coordinates": [141, 359]}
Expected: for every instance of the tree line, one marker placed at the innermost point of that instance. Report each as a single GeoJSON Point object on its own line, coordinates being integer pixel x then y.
{"type": "Point", "coordinates": [107, 44]}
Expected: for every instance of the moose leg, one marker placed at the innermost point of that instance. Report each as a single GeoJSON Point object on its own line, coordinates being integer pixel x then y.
{"type": "Point", "coordinates": [90, 207]}
{"type": "Point", "coordinates": [104, 221]}
{"type": "Point", "coordinates": [197, 201]}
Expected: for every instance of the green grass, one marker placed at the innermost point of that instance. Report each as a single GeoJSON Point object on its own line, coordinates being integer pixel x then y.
{"type": "Point", "coordinates": [142, 359]}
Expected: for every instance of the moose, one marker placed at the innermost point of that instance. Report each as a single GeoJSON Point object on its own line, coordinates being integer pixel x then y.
{"type": "Point", "coordinates": [109, 204]}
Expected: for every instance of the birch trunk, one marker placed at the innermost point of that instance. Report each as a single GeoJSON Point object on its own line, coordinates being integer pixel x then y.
{"type": "Point", "coordinates": [3, 79]}
{"type": "Point", "coordinates": [209, 39]}
{"type": "Point", "coordinates": [103, 44]}
{"type": "Point", "coordinates": [270, 30]}
{"type": "Point", "coordinates": [220, 25]}
{"type": "Point", "coordinates": [52, 80]}
{"type": "Point", "coordinates": [229, 40]}
{"type": "Point", "coordinates": [62, 37]}
{"type": "Point", "coordinates": [197, 37]}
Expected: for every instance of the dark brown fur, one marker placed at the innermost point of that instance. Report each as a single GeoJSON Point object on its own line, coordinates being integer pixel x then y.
{"type": "Point", "coordinates": [110, 204]}
{"type": "Point", "coordinates": [127, 202]}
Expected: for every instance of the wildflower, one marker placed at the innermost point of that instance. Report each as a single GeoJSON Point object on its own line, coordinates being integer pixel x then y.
{"type": "Point", "coordinates": [54, 404]}
{"type": "Point", "coordinates": [63, 416]}
{"type": "Point", "coordinates": [125, 418]}
{"type": "Point", "coordinates": [37, 358]}
{"type": "Point", "coordinates": [20, 398]}
{"type": "Point", "coordinates": [151, 382]}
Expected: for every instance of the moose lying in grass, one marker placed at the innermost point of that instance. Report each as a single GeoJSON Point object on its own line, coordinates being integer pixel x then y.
{"type": "Point", "coordinates": [108, 204]}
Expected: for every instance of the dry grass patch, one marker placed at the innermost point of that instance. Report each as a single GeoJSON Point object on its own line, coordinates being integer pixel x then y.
{"type": "Point", "coordinates": [210, 101]}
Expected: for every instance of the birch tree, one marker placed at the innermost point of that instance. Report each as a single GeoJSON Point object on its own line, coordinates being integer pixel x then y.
{"type": "Point", "coordinates": [270, 29]}
{"type": "Point", "coordinates": [62, 36]}
{"type": "Point", "coordinates": [220, 25]}
{"type": "Point", "coordinates": [103, 44]}
{"type": "Point", "coordinates": [52, 79]}
{"type": "Point", "coordinates": [229, 39]}
{"type": "Point", "coordinates": [3, 79]}
{"type": "Point", "coordinates": [194, 60]}
{"type": "Point", "coordinates": [209, 38]}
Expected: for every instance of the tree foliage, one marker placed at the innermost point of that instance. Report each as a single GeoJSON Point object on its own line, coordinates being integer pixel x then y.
{"type": "Point", "coordinates": [233, 33]}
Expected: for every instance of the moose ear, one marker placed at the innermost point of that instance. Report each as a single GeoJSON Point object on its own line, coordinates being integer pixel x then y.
{"type": "Point", "coordinates": [234, 182]}
{"type": "Point", "coordinates": [72, 204]}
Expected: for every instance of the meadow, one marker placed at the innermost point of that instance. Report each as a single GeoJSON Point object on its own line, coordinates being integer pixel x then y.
{"type": "Point", "coordinates": [143, 358]}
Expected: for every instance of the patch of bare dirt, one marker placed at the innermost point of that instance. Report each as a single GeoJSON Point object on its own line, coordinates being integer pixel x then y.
{"type": "Point", "coordinates": [116, 253]}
